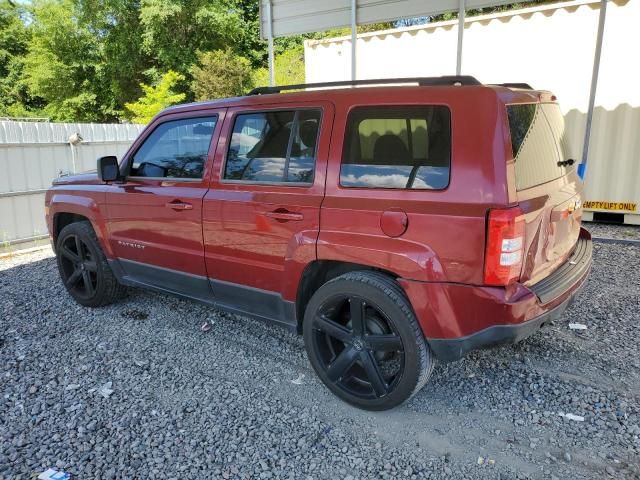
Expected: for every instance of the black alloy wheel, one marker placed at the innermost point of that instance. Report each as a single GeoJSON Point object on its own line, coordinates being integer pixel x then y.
{"type": "Point", "coordinates": [79, 269]}
{"type": "Point", "coordinates": [357, 346]}
{"type": "Point", "coordinates": [364, 342]}
{"type": "Point", "coordinates": [83, 267]}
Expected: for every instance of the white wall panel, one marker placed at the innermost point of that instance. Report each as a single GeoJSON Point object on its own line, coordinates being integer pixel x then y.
{"type": "Point", "coordinates": [33, 154]}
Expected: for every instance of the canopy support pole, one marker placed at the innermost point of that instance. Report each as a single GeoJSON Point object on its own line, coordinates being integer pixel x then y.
{"type": "Point", "coordinates": [582, 168]}
{"type": "Point", "coordinates": [272, 72]}
{"type": "Point", "coordinates": [354, 37]}
{"type": "Point", "coordinates": [461, 15]}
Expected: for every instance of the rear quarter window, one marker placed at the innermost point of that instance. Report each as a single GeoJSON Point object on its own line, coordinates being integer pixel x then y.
{"type": "Point", "coordinates": [538, 143]}
{"type": "Point", "coordinates": [403, 147]}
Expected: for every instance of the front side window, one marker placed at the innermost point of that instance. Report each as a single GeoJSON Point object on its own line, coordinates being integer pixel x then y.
{"type": "Point", "coordinates": [397, 147]}
{"type": "Point", "coordinates": [278, 146]}
{"type": "Point", "coordinates": [175, 149]}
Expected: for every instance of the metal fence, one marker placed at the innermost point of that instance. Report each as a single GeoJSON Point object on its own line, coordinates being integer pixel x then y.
{"type": "Point", "coordinates": [32, 154]}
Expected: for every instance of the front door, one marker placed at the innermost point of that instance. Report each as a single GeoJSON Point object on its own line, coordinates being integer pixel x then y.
{"type": "Point", "coordinates": [155, 215]}
{"type": "Point", "coordinates": [261, 216]}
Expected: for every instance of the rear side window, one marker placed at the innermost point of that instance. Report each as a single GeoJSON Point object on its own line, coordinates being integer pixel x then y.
{"type": "Point", "coordinates": [277, 146]}
{"type": "Point", "coordinates": [538, 143]}
{"type": "Point", "coordinates": [175, 149]}
{"type": "Point", "coordinates": [397, 147]}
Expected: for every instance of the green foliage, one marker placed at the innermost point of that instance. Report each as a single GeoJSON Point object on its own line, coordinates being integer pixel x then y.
{"type": "Point", "coordinates": [156, 98]}
{"type": "Point", "coordinates": [61, 64]}
{"type": "Point", "coordinates": [93, 60]}
{"type": "Point", "coordinates": [175, 30]}
{"type": "Point", "coordinates": [489, 10]}
{"type": "Point", "coordinates": [250, 45]}
{"type": "Point", "coordinates": [14, 42]}
{"type": "Point", "coordinates": [116, 29]}
{"type": "Point", "coordinates": [220, 74]}
{"type": "Point", "coordinates": [289, 66]}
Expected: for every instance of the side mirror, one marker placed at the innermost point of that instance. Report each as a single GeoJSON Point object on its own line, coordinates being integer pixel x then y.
{"type": "Point", "coordinates": [108, 170]}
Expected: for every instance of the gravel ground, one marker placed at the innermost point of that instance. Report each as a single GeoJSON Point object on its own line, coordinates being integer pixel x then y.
{"type": "Point", "coordinates": [137, 390]}
{"type": "Point", "coordinates": [608, 230]}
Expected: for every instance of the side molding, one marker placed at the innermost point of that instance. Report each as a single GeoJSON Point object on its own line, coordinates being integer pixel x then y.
{"type": "Point", "coordinates": [230, 297]}
{"type": "Point", "coordinates": [254, 302]}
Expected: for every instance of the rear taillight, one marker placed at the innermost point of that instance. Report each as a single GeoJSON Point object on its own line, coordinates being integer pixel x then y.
{"type": "Point", "coordinates": [505, 246]}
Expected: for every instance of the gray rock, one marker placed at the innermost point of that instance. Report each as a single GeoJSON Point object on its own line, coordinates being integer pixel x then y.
{"type": "Point", "coordinates": [188, 403]}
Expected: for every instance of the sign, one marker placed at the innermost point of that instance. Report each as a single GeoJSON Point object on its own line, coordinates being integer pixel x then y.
{"type": "Point", "coordinates": [616, 206]}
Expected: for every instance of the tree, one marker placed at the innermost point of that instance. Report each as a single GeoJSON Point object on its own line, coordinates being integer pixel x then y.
{"type": "Point", "coordinates": [253, 47]}
{"type": "Point", "coordinates": [117, 30]}
{"type": "Point", "coordinates": [289, 66]}
{"type": "Point", "coordinates": [156, 98]}
{"type": "Point", "coordinates": [61, 64]}
{"type": "Point", "coordinates": [175, 30]}
{"type": "Point", "coordinates": [220, 74]}
{"type": "Point", "coordinates": [489, 10]}
{"type": "Point", "coordinates": [14, 42]}
{"type": "Point", "coordinates": [250, 45]}
{"type": "Point", "coordinates": [84, 60]}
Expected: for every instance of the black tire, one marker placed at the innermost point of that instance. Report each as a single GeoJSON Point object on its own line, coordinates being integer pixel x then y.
{"type": "Point", "coordinates": [373, 364]}
{"type": "Point", "coordinates": [84, 269]}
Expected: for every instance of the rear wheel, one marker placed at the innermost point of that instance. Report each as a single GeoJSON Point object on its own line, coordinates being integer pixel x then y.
{"type": "Point", "coordinates": [364, 342]}
{"type": "Point", "coordinates": [83, 267]}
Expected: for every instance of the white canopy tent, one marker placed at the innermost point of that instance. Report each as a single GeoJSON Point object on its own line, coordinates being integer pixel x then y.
{"type": "Point", "coordinates": [280, 18]}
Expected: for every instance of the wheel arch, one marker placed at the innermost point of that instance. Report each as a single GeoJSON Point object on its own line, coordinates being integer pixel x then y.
{"type": "Point", "coordinates": [62, 219]}
{"type": "Point", "coordinates": [319, 272]}
{"type": "Point", "coordinates": [66, 209]}
{"type": "Point", "coordinates": [404, 257]}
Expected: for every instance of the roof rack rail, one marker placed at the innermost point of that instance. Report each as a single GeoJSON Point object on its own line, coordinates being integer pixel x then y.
{"type": "Point", "coordinates": [524, 86]}
{"type": "Point", "coordinates": [421, 81]}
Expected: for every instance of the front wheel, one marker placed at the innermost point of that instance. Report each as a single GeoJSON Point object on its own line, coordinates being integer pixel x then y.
{"type": "Point", "coordinates": [84, 269]}
{"type": "Point", "coordinates": [364, 342]}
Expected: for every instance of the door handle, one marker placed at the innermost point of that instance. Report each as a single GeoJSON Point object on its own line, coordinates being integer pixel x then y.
{"type": "Point", "coordinates": [284, 215]}
{"type": "Point", "coordinates": [179, 206]}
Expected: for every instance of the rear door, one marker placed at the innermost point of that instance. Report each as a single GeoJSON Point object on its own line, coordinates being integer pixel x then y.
{"type": "Point", "coordinates": [261, 216]}
{"type": "Point", "coordinates": [548, 188]}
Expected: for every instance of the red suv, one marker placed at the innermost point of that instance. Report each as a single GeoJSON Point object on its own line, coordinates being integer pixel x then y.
{"type": "Point", "coordinates": [391, 225]}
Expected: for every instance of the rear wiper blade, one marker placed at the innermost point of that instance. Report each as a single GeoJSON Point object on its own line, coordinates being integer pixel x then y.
{"type": "Point", "coordinates": [566, 163]}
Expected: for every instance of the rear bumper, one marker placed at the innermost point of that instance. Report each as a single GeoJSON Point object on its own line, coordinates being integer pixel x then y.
{"type": "Point", "coordinates": [575, 268]}
{"type": "Point", "coordinates": [449, 350]}
{"type": "Point", "coordinates": [456, 319]}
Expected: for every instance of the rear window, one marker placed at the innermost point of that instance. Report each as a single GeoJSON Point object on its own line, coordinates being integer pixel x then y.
{"type": "Point", "coordinates": [397, 147]}
{"type": "Point", "coordinates": [538, 143]}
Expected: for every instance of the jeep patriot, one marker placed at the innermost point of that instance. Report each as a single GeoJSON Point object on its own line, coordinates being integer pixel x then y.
{"type": "Point", "coordinates": [392, 225]}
